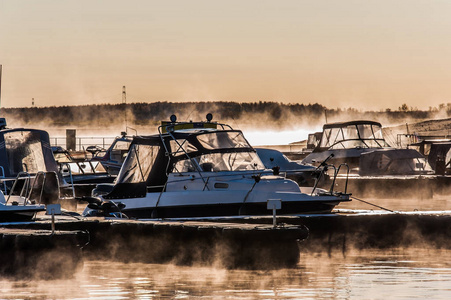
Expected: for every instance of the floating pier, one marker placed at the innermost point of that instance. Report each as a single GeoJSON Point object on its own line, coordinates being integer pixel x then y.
{"type": "Point", "coordinates": [230, 245]}
{"type": "Point", "coordinates": [40, 253]}
{"type": "Point", "coordinates": [231, 242]}
{"type": "Point", "coordinates": [350, 229]}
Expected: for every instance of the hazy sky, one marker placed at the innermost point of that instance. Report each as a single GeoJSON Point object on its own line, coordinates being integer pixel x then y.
{"type": "Point", "coordinates": [361, 53]}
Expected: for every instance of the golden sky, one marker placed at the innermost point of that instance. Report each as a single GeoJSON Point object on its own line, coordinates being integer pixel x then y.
{"type": "Point", "coordinates": [368, 54]}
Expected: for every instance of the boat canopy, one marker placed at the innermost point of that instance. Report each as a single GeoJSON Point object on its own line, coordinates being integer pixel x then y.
{"type": "Point", "coordinates": [152, 158]}
{"type": "Point", "coordinates": [348, 135]}
{"type": "Point", "coordinates": [25, 150]}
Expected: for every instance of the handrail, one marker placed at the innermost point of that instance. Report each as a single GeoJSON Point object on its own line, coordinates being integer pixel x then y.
{"type": "Point", "coordinates": [347, 175]}
{"type": "Point", "coordinates": [34, 183]}
{"type": "Point", "coordinates": [250, 173]}
{"type": "Point", "coordinates": [27, 179]}
{"type": "Point", "coordinates": [3, 176]}
{"type": "Point", "coordinates": [71, 178]}
{"type": "Point", "coordinates": [336, 171]}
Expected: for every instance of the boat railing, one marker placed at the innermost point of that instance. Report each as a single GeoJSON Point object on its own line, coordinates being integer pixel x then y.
{"type": "Point", "coordinates": [2, 176]}
{"type": "Point", "coordinates": [69, 170]}
{"type": "Point", "coordinates": [336, 172]}
{"type": "Point", "coordinates": [207, 178]}
{"type": "Point", "coordinates": [324, 169]}
{"type": "Point", "coordinates": [26, 177]}
{"type": "Point", "coordinates": [31, 185]}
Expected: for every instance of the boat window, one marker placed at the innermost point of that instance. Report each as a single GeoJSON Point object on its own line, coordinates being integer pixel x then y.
{"type": "Point", "coordinates": [120, 150]}
{"type": "Point", "coordinates": [62, 157]}
{"type": "Point", "coordinates": [223, 140]}
{"type": "Point", "coordinates": [181, 146]}
{"type": "Point", "coordinates": [334, 136]}
{"type": "Point", "coordinates": [122, 145]}
{"type": "Point", "coordinates": [365, 131]}
{"type": "Point", "coordinates": [24, 151]}
{"type": "Point", "coordinates": [138, 164]}
{"type": "Point", "coordinates": [350, 132]}
{"type": "Point", "coordinates": [325, 138]}
{"type": "Point", "coordinates": [377, 132]}
{"type": "Point", "coordinates": [313, 140]}
{"type": "Point", "coordinates": [448, 158]}
{"type": "Point", "coordinates": [216, 162]}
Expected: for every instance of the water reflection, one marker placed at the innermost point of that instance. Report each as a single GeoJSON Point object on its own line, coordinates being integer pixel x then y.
{"type": "Point", "coordinates": [396, 273]}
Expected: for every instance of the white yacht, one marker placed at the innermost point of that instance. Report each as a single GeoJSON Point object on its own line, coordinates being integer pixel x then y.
{"type": "Point", "coordinates": [201, 169]}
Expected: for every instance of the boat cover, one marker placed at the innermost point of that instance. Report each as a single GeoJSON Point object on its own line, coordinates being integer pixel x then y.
{"type": "Point", "coordinates": [25, 150]}
{"type": "Point", "coordinates": [391, 162]}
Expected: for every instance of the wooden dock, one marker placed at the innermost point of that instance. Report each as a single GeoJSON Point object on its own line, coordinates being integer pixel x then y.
{"type": "Point", "coordinates": [229, 245]}
{"type": "Point", "coordinates": [40, 253]}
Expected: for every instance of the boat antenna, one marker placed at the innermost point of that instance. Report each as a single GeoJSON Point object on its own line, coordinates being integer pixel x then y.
{"type": "Point", "coordinates": [124, 101]}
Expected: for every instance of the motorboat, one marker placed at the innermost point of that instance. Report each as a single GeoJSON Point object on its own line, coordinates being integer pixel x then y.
{"type": "Point", "coordinates": [80, 170]}
{"type": "Point", "coordinates": [82, 174]}
{"type": "Point", "coordinates": [376, 169]}
{"type": "Point", "coordinates": [27, 167]}
{"type": "Point", "coordinates": [201, 169]}
{"type": "Point", "coordinates": [347, 141]}
{"type": "Point", "coordinates": [362, 146]}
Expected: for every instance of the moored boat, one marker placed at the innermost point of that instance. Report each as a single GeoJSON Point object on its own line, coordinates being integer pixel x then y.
{"type": "Point", "coordinates": [199, 169]}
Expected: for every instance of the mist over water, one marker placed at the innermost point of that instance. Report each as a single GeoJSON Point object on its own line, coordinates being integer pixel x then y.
{"type": "Point", "coordinates": [275, 137]}
{"type": "Point", "coordinates": [375, 274]}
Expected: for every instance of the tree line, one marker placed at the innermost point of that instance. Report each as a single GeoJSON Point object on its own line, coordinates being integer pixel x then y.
{"type": "Point", "coordinates": [249, 113]}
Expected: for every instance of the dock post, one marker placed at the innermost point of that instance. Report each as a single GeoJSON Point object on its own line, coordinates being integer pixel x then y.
{"type": "Point", "coordinates": [274, 204]}
{"type": "Point", "coordinates": [53, 209]}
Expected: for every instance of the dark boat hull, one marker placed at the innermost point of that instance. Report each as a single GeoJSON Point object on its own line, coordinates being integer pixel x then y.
{"type": "Point", "coordinates": [19, 216]}
{"type": "Point", "coordinates": [217, 210]}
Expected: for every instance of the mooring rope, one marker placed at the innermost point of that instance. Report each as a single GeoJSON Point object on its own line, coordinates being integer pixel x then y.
{"type": "Point", "coordinates": [352, 197]}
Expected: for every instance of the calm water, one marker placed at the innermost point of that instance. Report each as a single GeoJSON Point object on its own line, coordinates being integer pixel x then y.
{"type": "Point", "coordinates": [369, 274]}
{"type": "Point", "coordinates": [394, 274]}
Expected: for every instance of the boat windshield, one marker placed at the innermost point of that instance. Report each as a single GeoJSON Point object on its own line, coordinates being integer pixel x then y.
{"type": "Point", "coordinates": [352, 136]}
{"type": "Point", "coordinates": [223, 140]}
{"type": "Point", "coordinates": [217, 162]}
{"type": "Point", "coordinates": [226, 160]}
{"type": "Point", "coordinates": [24, 151]}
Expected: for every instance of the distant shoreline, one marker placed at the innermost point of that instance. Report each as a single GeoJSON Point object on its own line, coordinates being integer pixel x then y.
{"type": "Point", "coordinates": [254, 115]}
